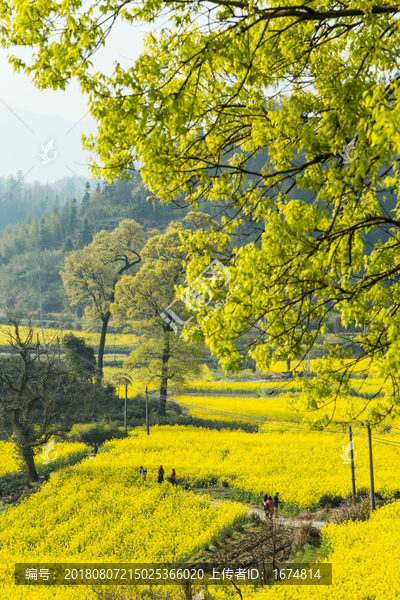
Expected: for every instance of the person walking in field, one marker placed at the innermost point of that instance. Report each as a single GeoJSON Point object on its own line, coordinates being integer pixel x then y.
{"type": "Point", "coordinates": [171, 478]}
{"type": "Point", "coordinates": [270, 505]}
{"type": "Point", "coordinates": [143, 473]}
{"type": "Point", "coordinates": [266, 507]}
{"type": "Point", "coordinates": [95, 449]}
{"type": "Point", "coordinates": [276, 502]}
{"type": "Point", "coordinates": [160, 474]}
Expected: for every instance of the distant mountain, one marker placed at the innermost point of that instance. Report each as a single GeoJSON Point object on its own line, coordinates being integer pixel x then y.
{"type": "Point", "coordinates": [45, 148]}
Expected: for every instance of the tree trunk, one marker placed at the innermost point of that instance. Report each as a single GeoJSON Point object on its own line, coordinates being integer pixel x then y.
{"type": "Point", "coordinates": [102, 344]}
{"type": "Point", "coordinates": [164, 377]}
{"type": "Point", "coordinates": [27, 454]}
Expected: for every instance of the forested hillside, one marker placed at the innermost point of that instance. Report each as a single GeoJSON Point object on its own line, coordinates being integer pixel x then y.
{"type": "Point", "coordinates": [51, 227]}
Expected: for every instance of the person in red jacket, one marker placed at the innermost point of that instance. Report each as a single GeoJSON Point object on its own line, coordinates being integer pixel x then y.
{"type": "Point", "coordinates": [266, 507]}
{"type": "Point", "coordinates": [270, 504]}
{"type": "Point", "coordinates": [171, 478]}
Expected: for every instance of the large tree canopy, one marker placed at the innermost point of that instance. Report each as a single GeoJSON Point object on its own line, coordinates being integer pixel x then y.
{"type": "Point", "coordinates": [142, 302]}
{"type": "Point", "coordinates": [257, 106]}
{"type": "Point", "coordinates": [91, 273]}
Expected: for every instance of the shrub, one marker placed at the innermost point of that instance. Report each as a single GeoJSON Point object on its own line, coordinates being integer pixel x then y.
{"type": "Point", "coordinates": [225, 484]}
{"type": "Point", "coordinates": [305, 516]}
{"type": "Point", "coordinates": [302, 535]}
{"type": "Point", "coordinates": [352, 511]}
{"type": "Point", "coordinates": [330, 501]}
{"type": "Point", "coordinates": [12, 483]}
{"type": "Point", "coordinates": [315, 533]}
{"type": "Point", "coordinates": [206, 548]}
{"type": "Point", "coordinates": [226, 536]}
{"type": "Point", "coordinates": [170, 419]}
{"type": "Point", "coordinates": [362, 493]}
{"type": "Point", "coordinates": [97, 433]}
{"type": "Point", "coordinates": [238, 527]}
{"type": "Point", "coordinates": [255, 518]}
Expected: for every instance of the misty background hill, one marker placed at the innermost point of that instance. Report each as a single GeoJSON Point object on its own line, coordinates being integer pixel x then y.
{"type": "Point", "coordinates": [25, 133]}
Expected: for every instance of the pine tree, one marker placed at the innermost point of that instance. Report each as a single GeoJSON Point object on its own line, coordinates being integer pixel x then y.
{"type": "Point", "coordinates": [73, 217]}
{"type": "Point", "coordinates": [68, 246]}
{"type": "Point", "coordinates": [34, 233]}
{"type": "Point", "coordinates": [54, 210]}
{"type": "Point", "coordinates": [85, 235]}
{"type": "Point", "coordinates": [44, 233]}
{"type": "Point", "coordinates": [65, 219]}
{"type": "Point", "coordinates": [86, 196]}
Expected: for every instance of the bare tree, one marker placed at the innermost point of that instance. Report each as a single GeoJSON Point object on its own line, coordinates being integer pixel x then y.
{"type": "Point", "coordinates": [35, 398]}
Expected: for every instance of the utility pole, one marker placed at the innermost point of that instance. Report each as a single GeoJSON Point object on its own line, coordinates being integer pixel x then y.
{"type": "Point", "coordinates": [40, 299]}
{"type": "Point", "coordinates": [147, 411]}
{"type": "Point", "coordinates": [126, 405]}
{"type": "Point", "coordinates": [58, 349]}
{"type": "Point", "coordinates": [353, 474]}
{"type": "Point", "coordinates": [371, 470]}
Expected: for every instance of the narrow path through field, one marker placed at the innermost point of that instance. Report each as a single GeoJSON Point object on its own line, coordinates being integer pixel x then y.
{"type": "Point", "coordinates": [281, 520]}
{"type": "Point", "coordinates": [260, 512]}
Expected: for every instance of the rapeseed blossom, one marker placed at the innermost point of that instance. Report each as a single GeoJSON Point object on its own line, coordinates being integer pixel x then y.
{"type": "Point", "coordinates": [282, 401]}
{"type": "Point", "coordinates": [64, 453]}
{"type": "Point", "coordinates": [100, 511]}
{"type": "Point", "coordinates": [302, 465]}
{"type": "Point", "coordinates": [364, 559]}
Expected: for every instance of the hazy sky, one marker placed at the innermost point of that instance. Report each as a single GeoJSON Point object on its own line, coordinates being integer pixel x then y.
{"type": "Point", "coordinates": [17, 90]}
{"type": "Point", "coordinates": [55, 118]}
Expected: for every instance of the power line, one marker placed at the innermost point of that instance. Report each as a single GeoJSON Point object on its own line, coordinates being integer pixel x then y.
{"type": "Point", "coordinates": [265, 420]}
{"type": "Point", "coordinates": [280, 422]}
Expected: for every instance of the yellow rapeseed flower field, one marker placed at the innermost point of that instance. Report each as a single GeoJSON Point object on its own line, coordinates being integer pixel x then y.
{"type": "Point", "coordinates": [101, 511]}
{"type": "Point", "coordinates": [301, 465]}
{"type": "Point", "coordinates": [286, 400]}
{"type": "Point", "coordinates": [364, 559]}
{"type": "Point", "coordinates": [8, 463]}
{"type": "Point", "coordinates": [263, 408]}
{"type": "Point", "coordinates": [62, 455]}
{"type": "Point", "coordinates": [371, 385]}
{"type": "Point", "coordinates": [122, 341]}
{"type": "Point", "coordinates": [281, 407]}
